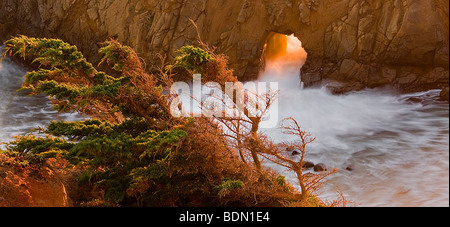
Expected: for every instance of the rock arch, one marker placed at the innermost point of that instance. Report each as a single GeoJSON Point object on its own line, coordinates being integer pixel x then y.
{"type": "Point", "coordinates": [357, 43]}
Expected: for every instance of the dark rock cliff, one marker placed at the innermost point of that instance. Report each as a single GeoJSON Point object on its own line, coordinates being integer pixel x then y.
{"type": "Point", "coordinates": [356, 43]}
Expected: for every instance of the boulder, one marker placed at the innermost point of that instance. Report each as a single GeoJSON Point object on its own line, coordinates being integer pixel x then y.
{"type": "Point", "coordinates": [307, 165]}
{"type": "Point", "coordinates": [320, 167]}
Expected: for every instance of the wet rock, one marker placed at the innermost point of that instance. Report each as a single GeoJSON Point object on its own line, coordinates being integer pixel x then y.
{"type": "Point", "coordinates": [350, 168]}
{"type": "Point", "coordinates": [350, 165]}
{"type": "Point", "coordinates": [320, 167]}
{"type": "Point", "coordinates": [307, 165]}
{"type": "Point", "coordinates": [445, 94]}
{"type": "Point", "coordinates": [295, 152]}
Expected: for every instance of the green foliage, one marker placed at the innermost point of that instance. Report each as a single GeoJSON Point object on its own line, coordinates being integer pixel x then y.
{"type": "Point", "coordinates": [127, 159]}
{"type": "Point", "coordinates": [36, 145]}
{"type": "Point", "coordinates": [229, 185]}
{"type": "Point", "coordinates": [115, 54]}
{"type": "Point", "coordinates": [79, 130]}
{"type": "Point", "coordinates": [49, 52]}
{"type": "Point", "coordinates": [131, 152]}
{"type": "Point", "coordinates": [281, 180]}
{"type": "Point", "coordinates": [192, 58]}
{"type": "Point", "coordinates": [22, 159]}
{"type": "Point", "coordinates": [74, 84]}
{"type": "Point", "coordinates": [124, 138]}
{"type": "Point", "coordinates": [66, 75]}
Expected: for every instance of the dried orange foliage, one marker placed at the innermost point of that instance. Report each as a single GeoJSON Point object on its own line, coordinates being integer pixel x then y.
{"type": "Point", "coordinates": [134, 152]}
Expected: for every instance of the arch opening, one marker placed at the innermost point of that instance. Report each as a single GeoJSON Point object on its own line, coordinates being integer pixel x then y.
{"type": "Point", "coordinates": [282, 50]}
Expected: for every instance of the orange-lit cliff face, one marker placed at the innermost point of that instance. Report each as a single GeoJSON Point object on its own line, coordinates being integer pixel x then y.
{"type": "Point", "coordinates": [284, 51]}
{"type": "Point", "coordinates": [358, 43]}
{"type": "Point", "coordinates": [35, 185]}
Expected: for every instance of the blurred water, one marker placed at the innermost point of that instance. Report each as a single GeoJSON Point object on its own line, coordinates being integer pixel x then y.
{"type": "Point", "coordinates": [396, 144]}
{"type": "Point", "coordinates": [19, 112]}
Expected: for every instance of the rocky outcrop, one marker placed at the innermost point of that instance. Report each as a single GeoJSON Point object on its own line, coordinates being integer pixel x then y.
{"type": "Point", "coordinates": [29, 185]}
{"type": "Point", "coordinates": [358, 43]}
{"type": "Point", "coordinates": [389, 42]}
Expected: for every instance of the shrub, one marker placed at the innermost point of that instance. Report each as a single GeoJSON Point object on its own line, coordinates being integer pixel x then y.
{"type": "Point", "coordinates": [132, 152]}
{"type": "Point", "coordinates": [192, 58]}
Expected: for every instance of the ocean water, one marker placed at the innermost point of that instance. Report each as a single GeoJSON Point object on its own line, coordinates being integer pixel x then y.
{"type": "Point", "coordinates": [20, 113]}
{"type": "Point", "coordinates": [396, 145]}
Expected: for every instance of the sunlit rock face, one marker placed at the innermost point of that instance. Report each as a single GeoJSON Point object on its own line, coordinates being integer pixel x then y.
{"type": "Point", "coordinates": [283, 51]}
{"type": "Point", "coordinates": [276, 46]}
{"type": "Point", "coordinates": [358, 43]}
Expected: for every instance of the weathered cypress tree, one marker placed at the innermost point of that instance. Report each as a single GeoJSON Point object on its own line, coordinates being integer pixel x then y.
{"type": "Point", "coordinates": [132, 151]}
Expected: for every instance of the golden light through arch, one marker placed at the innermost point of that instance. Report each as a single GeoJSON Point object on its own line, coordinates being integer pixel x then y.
{"type": "Point", "coordinates": [284, 50]}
